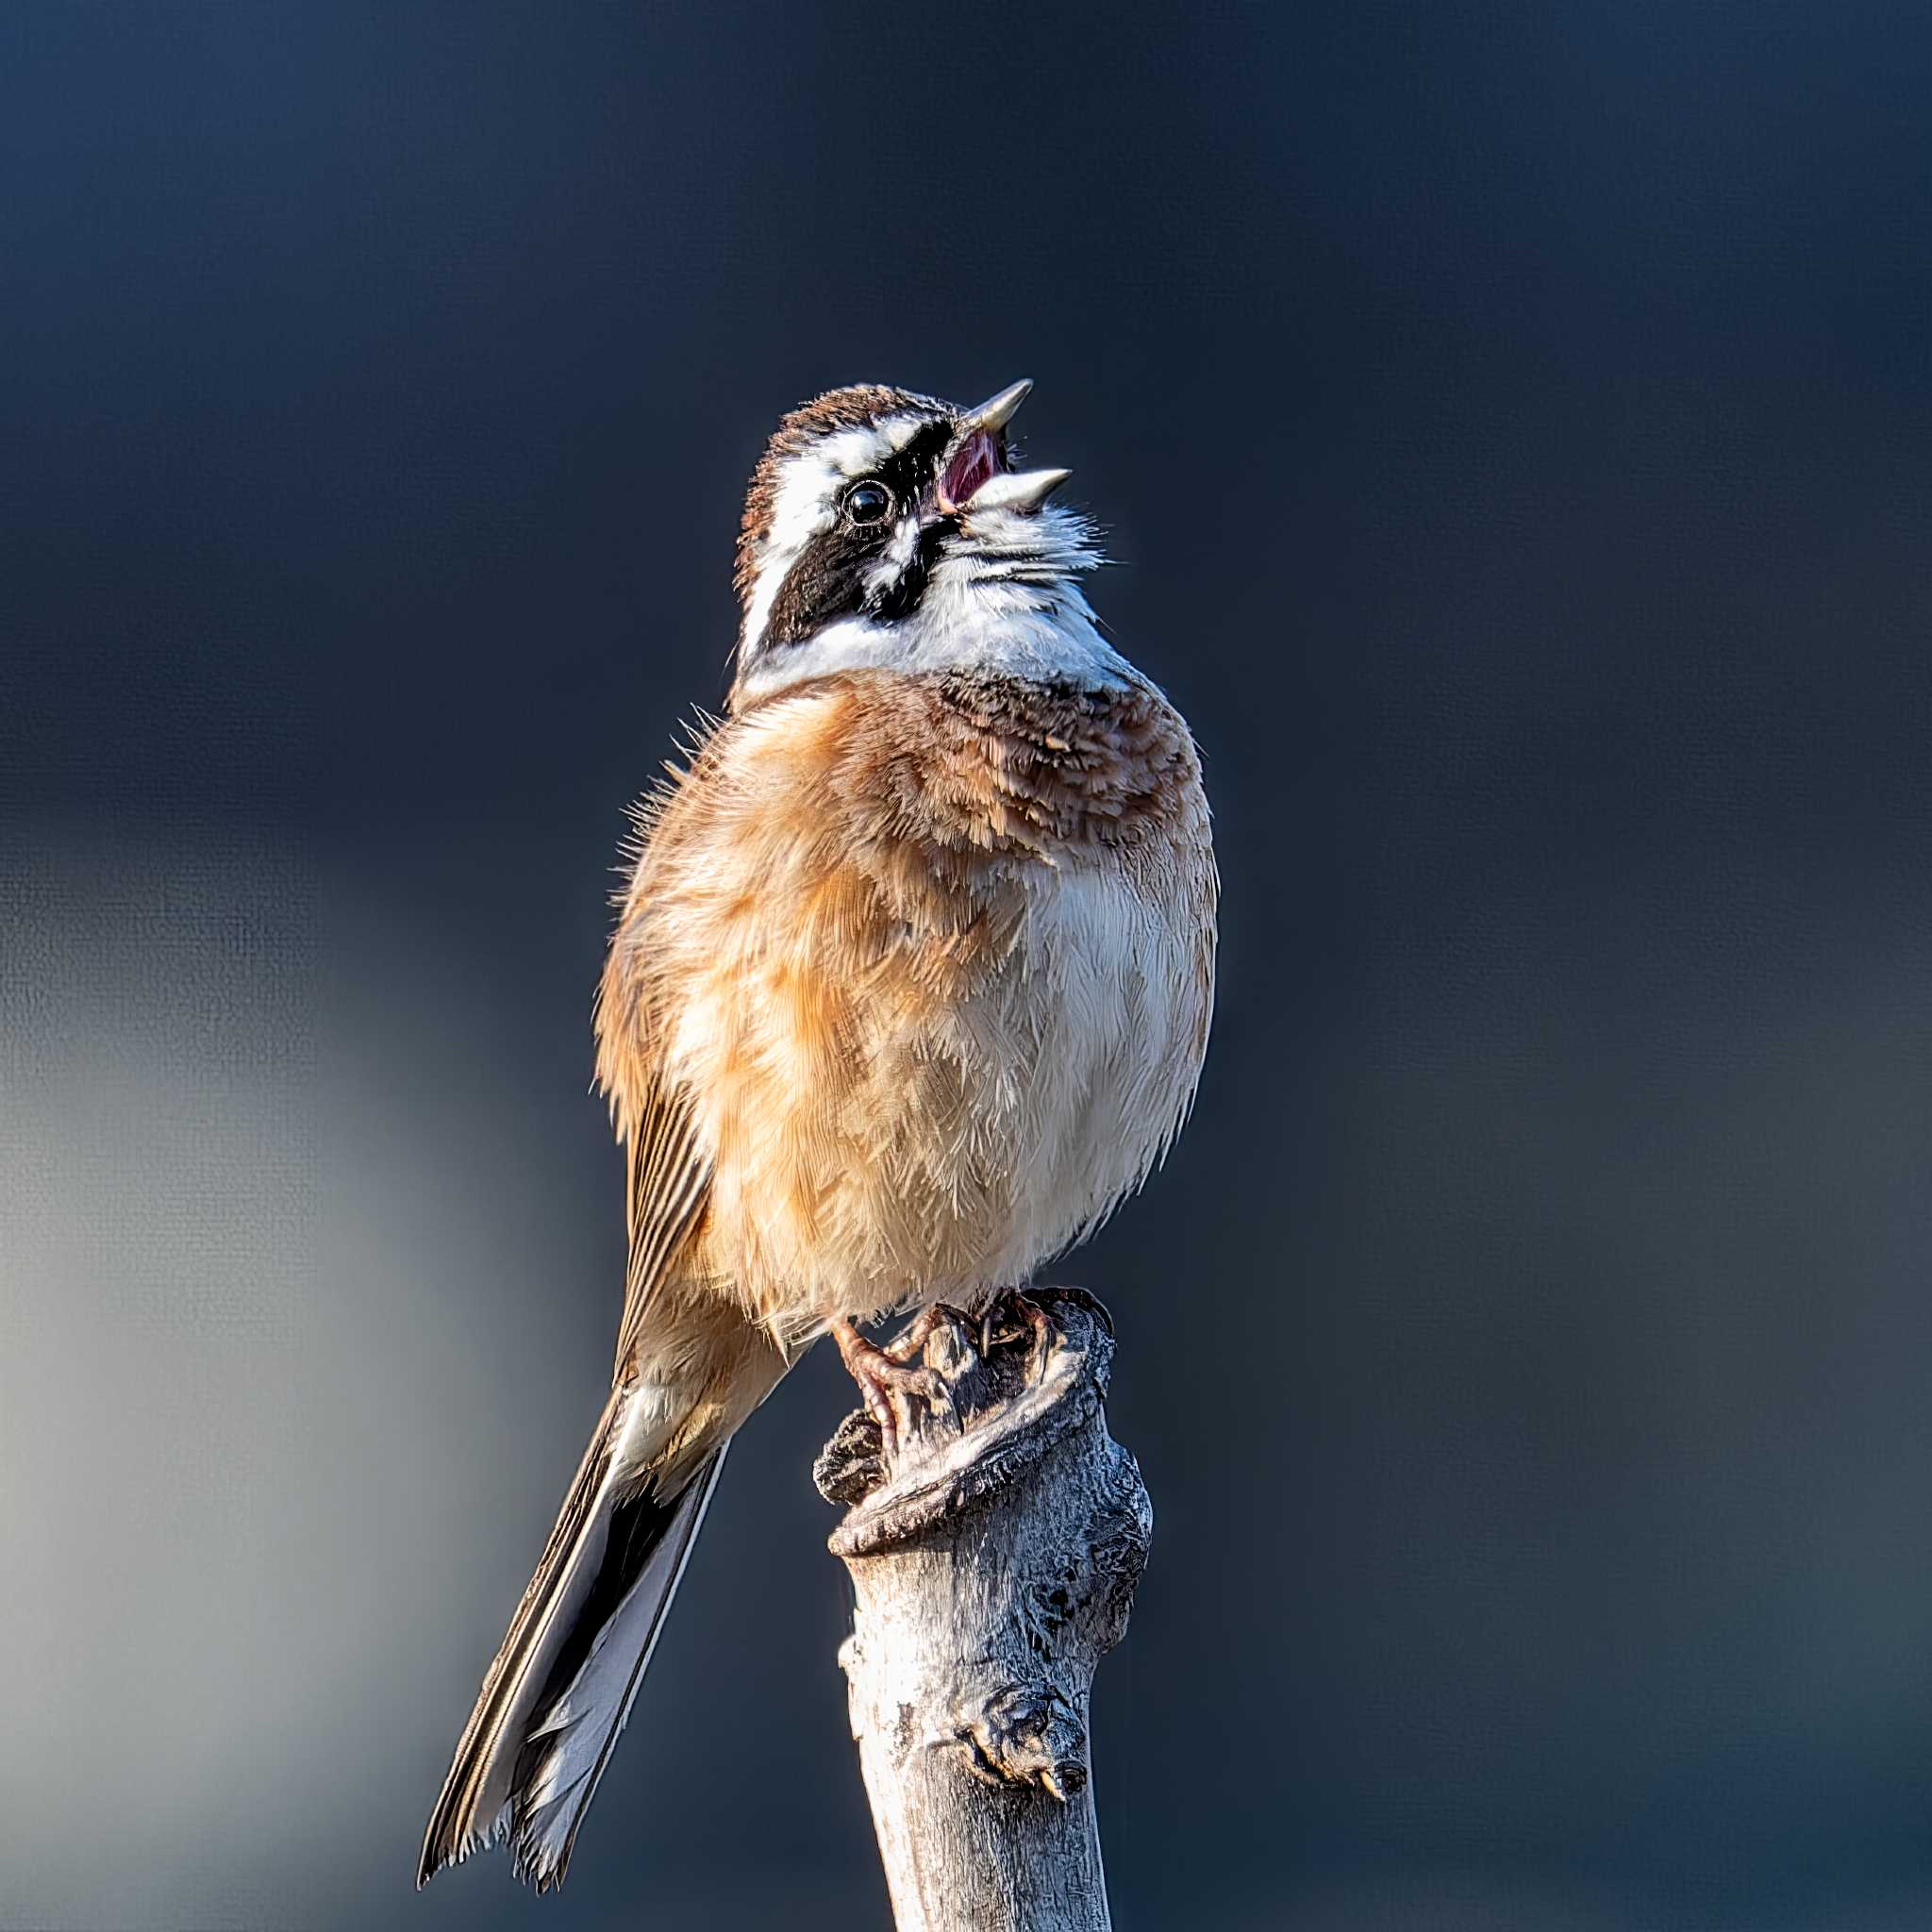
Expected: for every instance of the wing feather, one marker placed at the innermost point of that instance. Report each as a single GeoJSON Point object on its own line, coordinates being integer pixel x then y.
{"type": "Point", "coordinates": [667, 1174]}
{"type": "Point", "coordinates": [667, 1185]}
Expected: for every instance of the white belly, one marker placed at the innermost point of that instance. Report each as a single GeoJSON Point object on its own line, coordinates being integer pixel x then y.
{"type": "Point", "coordinates": [1102, 1005]}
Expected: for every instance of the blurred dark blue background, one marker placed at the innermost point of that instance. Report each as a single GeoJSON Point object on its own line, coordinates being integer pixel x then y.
{"type": "Point", "coordinates": [1515, 425]}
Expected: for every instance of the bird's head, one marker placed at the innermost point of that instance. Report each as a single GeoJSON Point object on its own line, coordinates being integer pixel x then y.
{"type": "Point", "coordinates": [887, 530]}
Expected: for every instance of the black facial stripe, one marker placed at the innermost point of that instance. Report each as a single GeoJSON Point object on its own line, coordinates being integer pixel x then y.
{"type": "Point", "coordinates": [829, 580]}
{"type": "Point", "coordinates": [826, 583]}
{"type": "Point", "coordinates": [901, 599]}
{"type": "Point", "coordinates": [909, 472]}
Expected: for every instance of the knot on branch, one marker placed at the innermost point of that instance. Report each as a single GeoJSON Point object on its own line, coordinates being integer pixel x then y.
{"type": "Point", "coordinates": [989, 1397]}
{"type": "Point", "coordinates": [1023, 1735]}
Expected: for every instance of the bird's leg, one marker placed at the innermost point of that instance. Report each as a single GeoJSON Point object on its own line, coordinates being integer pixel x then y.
{"type": "Point", "coordinates": [902, 1348]}
{"type": "Point", "coordinates": [890, 1383]}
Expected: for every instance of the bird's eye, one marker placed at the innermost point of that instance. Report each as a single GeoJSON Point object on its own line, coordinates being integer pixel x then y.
{"type": "Point", "coordinates": [868, 502]}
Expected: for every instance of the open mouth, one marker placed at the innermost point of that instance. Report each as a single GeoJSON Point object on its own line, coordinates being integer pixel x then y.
{"type": "Point", "coordinates": [978, 459]}
{"type": "Point", "coordinates": [976, 477]}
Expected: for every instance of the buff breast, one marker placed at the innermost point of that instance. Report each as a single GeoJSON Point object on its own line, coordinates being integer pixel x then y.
{"type": "Point", "coordinates": [926, 959]}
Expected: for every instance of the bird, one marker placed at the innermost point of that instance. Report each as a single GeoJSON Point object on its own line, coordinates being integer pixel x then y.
{"type": "Point", "coordinates": [909, 987]}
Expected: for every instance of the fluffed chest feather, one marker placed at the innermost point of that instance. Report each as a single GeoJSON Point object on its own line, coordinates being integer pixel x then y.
{"type": "Point", "coordinates": [930, 967]}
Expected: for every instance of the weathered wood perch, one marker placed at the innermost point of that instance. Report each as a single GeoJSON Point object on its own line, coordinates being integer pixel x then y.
{"type": "Point", "coordinates": [994, 1537]}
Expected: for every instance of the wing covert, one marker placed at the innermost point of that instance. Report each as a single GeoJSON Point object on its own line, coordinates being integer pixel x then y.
{"type": "Point", "coordinates": [666, 1184]}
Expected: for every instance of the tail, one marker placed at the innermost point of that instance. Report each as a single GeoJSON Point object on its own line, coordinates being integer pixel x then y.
{"type": "Point", "coordinates": [561, 1686]}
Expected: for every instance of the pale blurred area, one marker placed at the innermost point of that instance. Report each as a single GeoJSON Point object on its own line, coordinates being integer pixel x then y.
{"type": "Point", "coordinates": [171, 1450]}
{"type": "Point", "coordinates": [288, 1391]}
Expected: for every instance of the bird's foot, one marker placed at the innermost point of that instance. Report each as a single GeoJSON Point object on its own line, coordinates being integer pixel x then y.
{"type": "Point", "coordinates": [954, 1404]}
{"type": "Point", "coordinates": [896, 1384]}
{"type": "Point", "coordinates": [911, 1339]}
{"type": "Point", "coordinates": [929, 1373]}
{"type": "Point", "coordinates": [1014, 1316]}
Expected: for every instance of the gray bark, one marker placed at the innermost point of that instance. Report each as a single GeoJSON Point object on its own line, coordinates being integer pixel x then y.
{"type": "Point", "coordinates": [994, 1537]}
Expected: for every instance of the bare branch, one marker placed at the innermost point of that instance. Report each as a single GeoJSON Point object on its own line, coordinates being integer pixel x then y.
{"type": "Point", "coordinates": [994, 1543]}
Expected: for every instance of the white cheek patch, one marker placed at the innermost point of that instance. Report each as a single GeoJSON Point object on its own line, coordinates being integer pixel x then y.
{"type": "Point", "coordinates": [805, 504]}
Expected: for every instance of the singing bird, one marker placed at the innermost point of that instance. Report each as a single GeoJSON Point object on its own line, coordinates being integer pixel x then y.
{"type": "Point", "coordinates": [909, 989]}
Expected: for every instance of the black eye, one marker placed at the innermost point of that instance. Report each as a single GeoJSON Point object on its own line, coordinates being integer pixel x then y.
{"type": "Point", "coordinates": [868, 502]}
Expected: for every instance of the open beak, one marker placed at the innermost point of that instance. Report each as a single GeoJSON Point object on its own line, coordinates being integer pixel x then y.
{"type": "Point", "coordinates": [975, 476]}
{"type": "Point", "coordinates": [997, 411]}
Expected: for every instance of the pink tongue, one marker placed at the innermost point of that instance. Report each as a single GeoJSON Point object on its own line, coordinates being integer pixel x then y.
{"type": "Point", "coordinates": [973, 463]}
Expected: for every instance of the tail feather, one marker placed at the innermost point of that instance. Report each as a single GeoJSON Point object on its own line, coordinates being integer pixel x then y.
{"type": "Point", "coordinates": [562, 1684]}
{"type": "Point", "coordinates": [590, 1690]}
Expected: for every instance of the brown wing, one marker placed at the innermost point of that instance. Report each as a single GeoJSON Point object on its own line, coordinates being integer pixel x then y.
{"type": "Point", "coordinates": [667, 1176]}
{"type": "Point", "coordinates": [667, 1185]}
